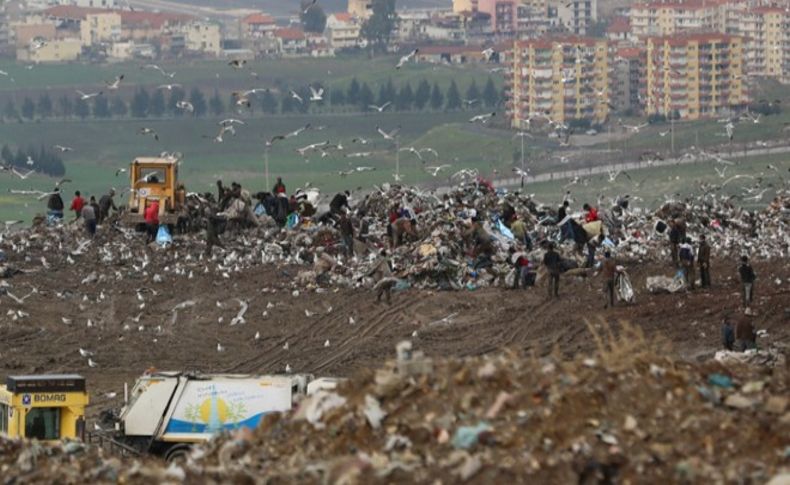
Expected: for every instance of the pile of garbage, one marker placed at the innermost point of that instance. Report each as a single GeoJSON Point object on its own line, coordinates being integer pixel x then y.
{"type": "Point", "coordinates": [464, 238]}
{"type": "Point", "coordinates": [628, 414]}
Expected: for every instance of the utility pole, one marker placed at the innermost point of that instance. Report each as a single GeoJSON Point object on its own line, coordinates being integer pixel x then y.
{"type": "Point", "coordinates": [672, 132]}
{"type": "Point", "coordinates": [266, 166]}
{"type": "Point", "coordinates": [397, 159]}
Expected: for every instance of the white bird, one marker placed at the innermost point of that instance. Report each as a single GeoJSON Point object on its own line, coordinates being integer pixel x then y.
{"type": "Point", "coordinates": [287, 368]}
{"type": "Point", "coordinates": [169, 87]}
{"type": "Point", "coordinates": [237, 63]}
{"type": "Point", "coordinates": [403, 60]}
{"type": "Point", "coordinates": [120, 171]}
{"type": "Point", "coordinates": [351, 320]}
{"type": "Point", "coordinates": [86, 353]}
{"type": "Point", "coordinates": [148, 131]}
{"type": "Point", "coordinates": [230, 122]}
{"type": "Point", "coordinates": [23, 176]}
{"type": "Point", "coordinates": [115, 84]}
{"type": "Point", "coordinates": [296, 96]}
{"type": "Point", "coordinates": [434, 170]}
{"type": "Point", "coordinates": [484, 118]}
{"type": "Point", "coordinates": [388, 136]}
{"type": "Point", "coordinates": [111, 395]}
{"type": "Point", "coordinates": [65, 320]}
{"type": "Point", "coordinates": [316, 95]}
{"type": "Point", "coordinates": [285, 346]}
{"type": "Point", "coordinates": [185, 105]}
{"type": "Point", "coordinates": [257, 336]}
{"type": "Point", "coordinates": [488, 54]}
{"type": "Point", "coordinates": [326, 343]}
{"type": "Point", "coordinates": [62, 149]}
{"type": "Point", "coordinates": [380, 109]}
{"type": "Point", "coordinates": [170, 75]}
{"type": "Point", "coordinates": [308, 313]}
{"type": "Point", "coordinates": [87, 96]}
{"type": "Point", "coordinates": [634, 128]}
{"type": "Point", "coordinates": [220, 348]}
{"type": "Point", "coordinates": [721, 173]}
{"type": "Point", "coordinates": [91, 363]}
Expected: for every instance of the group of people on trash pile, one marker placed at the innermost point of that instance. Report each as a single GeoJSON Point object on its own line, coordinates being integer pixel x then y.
{"type": "Point", "coordinates": [470, 237]}
{"type": "Point", "coordinates": [89, 211]}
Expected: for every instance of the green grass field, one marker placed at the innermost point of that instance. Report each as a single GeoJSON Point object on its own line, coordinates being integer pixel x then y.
{"type": "Point", "coordinates": [336, 72]}
{"type": "Point", "coordinates": [677, 182]}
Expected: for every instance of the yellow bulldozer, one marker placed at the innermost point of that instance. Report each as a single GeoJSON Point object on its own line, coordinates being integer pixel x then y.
{"type": "Point", "coordinates": [154, 179]}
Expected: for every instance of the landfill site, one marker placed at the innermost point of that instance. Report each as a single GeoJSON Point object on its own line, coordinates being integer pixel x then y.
{"type": "Point", "coordinates": [441, 371]}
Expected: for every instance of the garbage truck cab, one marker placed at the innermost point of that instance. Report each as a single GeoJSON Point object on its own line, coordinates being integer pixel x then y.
{"type": "Point", "coordinates": [43, 407]}
{"type": "Point", "coordinates": [167, 412]}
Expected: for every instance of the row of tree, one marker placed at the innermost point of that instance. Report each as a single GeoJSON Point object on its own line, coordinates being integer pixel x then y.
{"type": "Point", "coordinates": [41, 160]}
{"type": "Point", "coordinates": [357, 96]}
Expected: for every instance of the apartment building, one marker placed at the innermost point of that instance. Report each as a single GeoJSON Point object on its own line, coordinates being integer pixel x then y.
{"type": "Point", "coordinates": [565, 78]}
{"type": "Point", "coordinates": [694, 76]}
{"type": "Point", "coordinates": [577, 16]}
{"type": "Point", "coordinates": [767, 40]}
{"type": "Point", "coordinates": [343, 31]}
{"type": "Point", "coordinates": [464, 6]}
{"type": "Point", "coordinates": [670, 18]}
{"type": "Point", "coordinates": [204, 37]}
{"type": "Point", "coordinates": [100, 27]}
{"type": "Point", "coordinates": [361, 9]}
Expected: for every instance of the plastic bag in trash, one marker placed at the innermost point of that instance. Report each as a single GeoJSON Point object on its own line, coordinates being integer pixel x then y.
{"type": "Point", "coordinates": [504, 230]}
{"type": "Point", "coordinates": [260, 210]}
{"type": "Point", "coordinates": [293, 220]}
{"type": "Point", "coordinates": [163, 236]}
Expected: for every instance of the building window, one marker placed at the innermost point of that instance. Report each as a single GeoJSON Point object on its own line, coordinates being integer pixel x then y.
{"type": "Point", "coordinates": [4, 418]}
{"type": "Point", "coordinates": [43, 423]}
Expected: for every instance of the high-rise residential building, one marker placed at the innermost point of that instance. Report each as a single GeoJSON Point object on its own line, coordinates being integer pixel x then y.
{"type": "Point", "coordinates": [668, 18]}
{"type": "Point", "coordinates": [766, 31]}
{"type": "Point", "coordinates": [464, 6]}
{"type": "Point", "coordinates": [503, 14]}
{"type": "Point", "coordinates": [564, 78]}
{"type": "Point", "coordinates": [362, 9]}
{"type": "Point", "coordinates": [627, 78]}
{"type": "Point", "coordinates": [577, 16]}
{"type": "Point", "coordinates": [694, 76]}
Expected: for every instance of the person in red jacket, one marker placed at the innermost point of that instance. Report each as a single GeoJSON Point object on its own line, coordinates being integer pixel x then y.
{"type": "Point", "coordinates": [77, 204]}
{"type": "Point", "coordinates": [152, 221]}
{"type": "Point", "coordinates": [591, 213]}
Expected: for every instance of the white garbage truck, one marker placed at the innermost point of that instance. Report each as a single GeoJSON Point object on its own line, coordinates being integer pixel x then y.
{"type": "Point", "coordinates": [167, 412]}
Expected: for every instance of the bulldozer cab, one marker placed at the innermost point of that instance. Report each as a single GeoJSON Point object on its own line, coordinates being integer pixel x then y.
{"type": "Point", "coordinates": [155, 179]}
{"type": "Point", "coordinates": [43, 407]}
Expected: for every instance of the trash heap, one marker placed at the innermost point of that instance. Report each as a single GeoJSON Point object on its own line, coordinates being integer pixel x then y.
{"type": "Point", "coordinates": [443, 254]}
{"type": "Point", "coordinates": [626, 415]}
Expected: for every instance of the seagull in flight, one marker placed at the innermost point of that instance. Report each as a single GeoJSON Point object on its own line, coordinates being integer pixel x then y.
{"type": "Point", "coordinates": [381, 108]}
{"type": "Point", "coordinates": [484, 118]}
{"type": "Point", "coordinates": [23, 176]}
{"type": "Point", "coordinates": [171, 75]}
{"type": "Point", "coordinates": [310, 5]}
{"type": "Point", "coordinates": [230, 121]}
{"type": "Point", "coordinates": [169, 87]}
{"type": "Point", "coordinates": [388, 136]}
{"type": "Point", "coordinates": [434, 170]}
{"type": "Point", "coordinates": [185, 105]}
{"type": "Point", "coordinates": [316, 95]}
{"type": "Point", "coordinates": [62, 149]}
{"type": "Point", "coordinates": [634, 128]}
{"type": "Point", "coordinates": [408, 57]}
{"type": "Point", "coordinates": [85, 97]}
{"type": "Point", "coordinates": [115, 84]}
{"type": "Point", "coordinates": [148, 131]}
{"type": "Point", "coordinates": [488, 54]}
{"type": "Point", "coordinates": [237, 63]}
{"type": "Point", "coordinates": [296, 96]}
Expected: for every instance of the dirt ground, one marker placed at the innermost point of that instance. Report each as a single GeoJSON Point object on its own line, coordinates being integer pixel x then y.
{"type": "Point", "coordinates": [130, 334]}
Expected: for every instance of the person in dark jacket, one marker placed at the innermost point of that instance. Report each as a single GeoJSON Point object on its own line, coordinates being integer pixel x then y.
{"type": "Point", "coordinates": [106, 203]}
{"type": "Point", "coordinates": [747, 281]}
{"type": "Point", "coordinates": [339, 202]}
{"type": "Point", "coordinates": [677, 234]}
{"type": "Point", "coordinates": [727, 334]}
{"type": "Point", "coordinates": [55, 205]}
{"type": "Point", "coordinates": [279, 187]}
{"type": "Point", "coordinates": [703, 260]}
{"type": "Point", "coordinates": [745, 336]}
{"type": "Point", "coordinates": [553, 263]}
{"type": "Point", "coordinates": [347, 232]}
{"type": "Point", "coordinates": [609, 273]}
{"type": "Point", "coordinates": [96, 208]}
